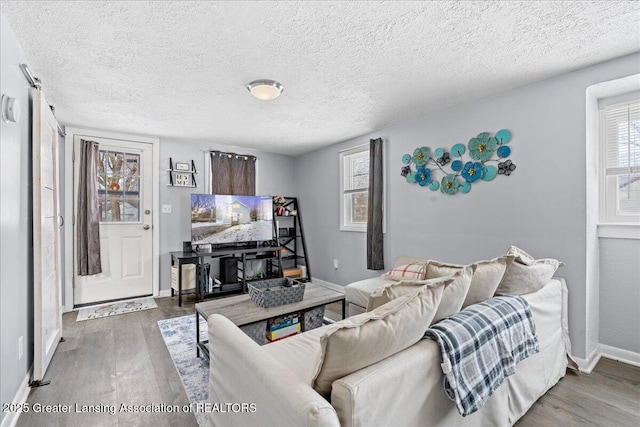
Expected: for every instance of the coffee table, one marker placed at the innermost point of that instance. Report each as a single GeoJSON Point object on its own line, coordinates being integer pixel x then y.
{"type": "Point", "coordinates": [242, 311]}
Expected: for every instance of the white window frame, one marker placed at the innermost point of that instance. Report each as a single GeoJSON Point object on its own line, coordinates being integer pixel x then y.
{"type": "Point", "coordinates": [611, 223]}
{"type": "Point", "coordinates": [345, 210]}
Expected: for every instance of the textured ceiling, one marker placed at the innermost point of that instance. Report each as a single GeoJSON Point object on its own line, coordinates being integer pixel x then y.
{"type": "Point", "coordinates": [179, 69]}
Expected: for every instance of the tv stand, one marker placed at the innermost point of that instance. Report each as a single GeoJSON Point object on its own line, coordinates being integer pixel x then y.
{"type": "Point", "coordinates": [243, 255]}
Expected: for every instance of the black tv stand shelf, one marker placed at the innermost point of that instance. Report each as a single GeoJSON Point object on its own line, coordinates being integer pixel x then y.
{"type": "Point", "coordinates": [243, 255]}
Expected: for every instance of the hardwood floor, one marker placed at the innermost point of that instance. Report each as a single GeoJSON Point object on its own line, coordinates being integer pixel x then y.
{"type": "Point", "coordinates": [123, 359]}
{"type": "Point", "coordinates": [109, 361]}
{"type": "Point", "coordinates": [609, 396]}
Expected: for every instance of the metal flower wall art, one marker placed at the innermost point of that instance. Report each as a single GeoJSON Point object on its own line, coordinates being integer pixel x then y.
{"type": "Point", "coordinates": [482, 159]}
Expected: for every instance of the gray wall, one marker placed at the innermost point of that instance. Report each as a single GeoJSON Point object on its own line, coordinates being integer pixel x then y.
{"type": "Point", "coordinates": [16, 273]}
{"type": "Point", "coordinates": [275, 175]}
{"type": "Point", "coordinates": [620, 293]}
{"type": "Point", "coordinates": [541, 207]}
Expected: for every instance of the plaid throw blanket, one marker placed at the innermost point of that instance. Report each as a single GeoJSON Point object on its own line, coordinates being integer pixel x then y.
{"type": "Point", "coordinates": [481, 346]}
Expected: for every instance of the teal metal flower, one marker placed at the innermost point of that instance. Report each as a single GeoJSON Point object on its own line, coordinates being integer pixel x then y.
{"type": "Point", "coordinates": [423, 176]}
{"type": "Point", "coordinates": [450, 184]}
{"type": "Point", "coordinates": [472, 171]}
{"type": "Point", "coordinates": [421, 156]}
{"type": "Point", "coordinates": [482, 147]}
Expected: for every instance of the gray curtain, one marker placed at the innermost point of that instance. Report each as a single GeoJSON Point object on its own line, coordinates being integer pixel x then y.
{"type": "Point", "coordinates": [88, 216]}
{"type": "Point", "coordinates": [375, 249]}
{"type": "Point", "coordinates": [233, 174]}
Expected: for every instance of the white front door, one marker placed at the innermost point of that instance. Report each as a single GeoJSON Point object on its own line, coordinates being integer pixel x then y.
{"type": "Point", "coordinates": [124, 190]}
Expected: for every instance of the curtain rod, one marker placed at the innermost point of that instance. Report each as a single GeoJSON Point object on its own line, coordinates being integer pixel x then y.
{"type": "Point", "coordinates": [220, 153]}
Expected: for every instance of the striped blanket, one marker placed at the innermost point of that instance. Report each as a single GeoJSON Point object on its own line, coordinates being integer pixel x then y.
{"type": "Point", "coordinates": [481, 346]}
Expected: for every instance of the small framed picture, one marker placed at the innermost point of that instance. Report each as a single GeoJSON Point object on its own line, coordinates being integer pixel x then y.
{"type": "Point", "coordinates": [182, 166]}
{"type": "Point", "coordinates": [182, 180]}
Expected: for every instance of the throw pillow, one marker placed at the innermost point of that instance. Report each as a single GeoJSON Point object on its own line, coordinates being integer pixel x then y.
{"type": "Point", "coordinates": [439, 269]}
{"type": "Point", "coordinates": [391, 291]}
{"type": "Point", "coordinates": [520, 254]}
{"type": "Point", "coordinates": [359, 341]}
{"type": "Point", "coordinates": [414, 270]}
{"type": "Point", "coordinates": [409, 260]}
{"type": "Point", "coordinates": [526, 274]}
{"type": "Point", "coordinates": [486, 278]}
{"type": "Point", "coordinates": [455, 293]}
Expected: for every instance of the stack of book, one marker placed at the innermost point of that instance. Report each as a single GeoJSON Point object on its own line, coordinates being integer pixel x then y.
{"type": "Point", "coordinates": [283, 326]}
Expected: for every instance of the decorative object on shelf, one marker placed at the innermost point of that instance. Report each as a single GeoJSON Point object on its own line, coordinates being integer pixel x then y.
{"type": "Point", "coordinates": [182, 179]}
{"type": "Point", "coordinates": [279, 202]}
{"type": "Point", "coordinates": [182, 174]}
{"type": "Point", "coordinates": [182, 167]}
{"type": "Point", "coordinates": [421, 166]}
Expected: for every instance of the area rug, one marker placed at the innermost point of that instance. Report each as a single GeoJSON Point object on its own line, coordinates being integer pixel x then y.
{"type": "Point", "coordinates": [179, 335]}
{"type": "Point", "coordinates": [115, 308]}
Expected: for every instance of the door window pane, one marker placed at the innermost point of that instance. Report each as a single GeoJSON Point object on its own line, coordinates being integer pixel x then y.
{"type": "Point", "coordinates": [114, 208]}
{"type": "Point", "coordinates": [131, 209]}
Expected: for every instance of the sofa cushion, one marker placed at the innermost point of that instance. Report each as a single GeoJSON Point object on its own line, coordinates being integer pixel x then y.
{"type": "Point", "coordinates": [455, 293]}
{"type": "Point", "coordinates": [440, 269]}
{"type": "Point", "coordinates": [412, 271]}
{"type": "Point", "coordinates": [526, 274]}
{"type": "Point", "coordinates": [409, 259]}
{"type": "Point", "coordinates": [358, 292]}
{"type": "Point", "coordinates": [486, 278]}
{"type": "Point", "coordinates": [394, 290]}
{"type": "Point", "coordinates": [359, 341]}
{"type": "Point", "coordinates": [300, 353]}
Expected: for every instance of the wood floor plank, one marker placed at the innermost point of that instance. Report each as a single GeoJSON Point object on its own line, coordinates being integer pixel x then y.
{"type": "Point", "coordinates": [169, 383]}
{"type": "Point", "coordinates": [137, 387]}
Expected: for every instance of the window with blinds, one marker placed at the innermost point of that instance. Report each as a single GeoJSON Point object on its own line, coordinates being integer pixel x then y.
{"type": "Point", "coordinates": [354, 188]}
{"type": "Point", "coordinates": [620, 125]}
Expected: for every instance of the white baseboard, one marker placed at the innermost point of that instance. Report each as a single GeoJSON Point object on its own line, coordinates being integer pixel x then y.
{"type": "Point", "coordinates": [332, 286]}
{"type": "Point", "coordinates": [621, 355]}
{"type": "Point", "coordinates": [165, 293]}
{"type": "Point", "coordinates": [586, 365]}
{"type": "Point", "coordinates": [11, 418]}
{"type": "Point", "coordinates": [602, 350]}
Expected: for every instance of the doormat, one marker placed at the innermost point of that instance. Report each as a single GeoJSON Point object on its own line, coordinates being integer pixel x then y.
{"type": "Point", "coordinates": [179, 336]}
{"type": "Point", "coordinates": [115, 308]}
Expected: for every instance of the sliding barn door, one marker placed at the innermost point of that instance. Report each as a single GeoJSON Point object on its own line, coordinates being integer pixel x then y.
{"type": "Point", "coordinates": [47, 309]}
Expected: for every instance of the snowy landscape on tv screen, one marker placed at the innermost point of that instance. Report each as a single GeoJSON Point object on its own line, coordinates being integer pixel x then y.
{"type": "Point", "coordinates": [217, 219]}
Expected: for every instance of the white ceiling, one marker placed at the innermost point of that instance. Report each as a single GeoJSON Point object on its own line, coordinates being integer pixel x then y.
{"type": "Point", "coordinates": [179, 69]}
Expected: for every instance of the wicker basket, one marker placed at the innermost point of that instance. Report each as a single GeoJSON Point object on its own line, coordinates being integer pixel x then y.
{"type": "Point", "coordinates": [273, 292]}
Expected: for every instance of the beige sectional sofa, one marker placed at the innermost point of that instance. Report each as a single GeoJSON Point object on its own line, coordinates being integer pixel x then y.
{"type": "Point", "coordinates": [403, 389]}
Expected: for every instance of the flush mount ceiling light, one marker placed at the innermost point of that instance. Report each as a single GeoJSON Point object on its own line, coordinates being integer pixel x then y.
{"type": "Point", "coordinates": [265, 90]}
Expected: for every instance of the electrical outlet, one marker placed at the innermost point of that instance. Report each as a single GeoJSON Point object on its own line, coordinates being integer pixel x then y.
{"type": "Point", "coordinates": [335, 264]}
{"type": "Point", "coordinates": [20, 348]}
{"type": "Point", "coordinates": [166, 208]}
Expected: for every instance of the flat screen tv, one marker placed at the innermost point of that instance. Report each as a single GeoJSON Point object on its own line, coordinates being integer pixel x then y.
{"type": "Point", "coordinates": [226, 219]}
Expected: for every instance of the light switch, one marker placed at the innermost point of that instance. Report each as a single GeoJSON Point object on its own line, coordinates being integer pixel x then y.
{"type": "Point", "coordinates": [166, 208]}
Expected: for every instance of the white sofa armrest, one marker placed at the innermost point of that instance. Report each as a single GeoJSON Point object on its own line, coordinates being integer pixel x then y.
{"type": "Point", "coordinates": [241, 372]}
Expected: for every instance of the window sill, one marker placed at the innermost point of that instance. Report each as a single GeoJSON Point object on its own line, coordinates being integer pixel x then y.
{"type": "Point", "coordinates": [619, 231]}
{"type": "Point", "coordinates": [355, 228]}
